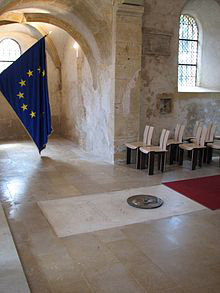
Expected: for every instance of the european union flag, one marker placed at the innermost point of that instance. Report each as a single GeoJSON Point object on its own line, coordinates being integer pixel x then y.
{"type": "Point", "coordinates": [24, 85]}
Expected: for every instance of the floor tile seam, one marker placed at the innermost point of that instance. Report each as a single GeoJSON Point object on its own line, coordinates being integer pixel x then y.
{"type": "Point", "coordinates": [150, 259]}
{"type": "Point", "coordinates": [127, 271]}
{"type": "Point", "coordinates": [167, 288]}
{"type": "Point", "coordinates": [126, 263]}
{"type": "Point", "coordinates": [136, 280]}
{"type": "Point", "coordinates": [100, 193]}
{"type": "Point", "coordinates": [15, 246]}
{"type": "Point", "coordinates": [106, 243]}
{"type": "Point", "coordinates": [50, 226]}
{"type": "Point", "coordinates": [83, 271]}
{"type": "Point", "coordinates": [168, 273]}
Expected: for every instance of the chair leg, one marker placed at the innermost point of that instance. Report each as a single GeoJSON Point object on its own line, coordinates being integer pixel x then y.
{"type": "Point", "coordinates": [171, 154]}
{"type": "Point", "coordinates": [209, 155]}
{"type": "Point", "coordinates": [159, 161]}
{"type": "Point", "coordinates": [181, 153]}
{"type": "Point", "coordinates": [163, 162]}
{"type": "Point", "coordinates": [165, 159]}
{"type": "Point", "coordinates": [147, 159]}
{"type": "Point", "coordinates": [175, 154]}
{"type": "Point", "coordinates": [142, 160]}
{"type": "Point", "coordinates": [151, 163]}
{"type": "Point", "coordinates": [205, 155]}
{"type": "Point", "coordinates": [201, 153]}
{"type": "Point", "coordinates": [138, 162]}
{"type": "Point", "coordinates": [189, 154]}
{"type": "Point", "coordinates": [194, 158]}
{"type": "Point", "coordinates": [128, 156]}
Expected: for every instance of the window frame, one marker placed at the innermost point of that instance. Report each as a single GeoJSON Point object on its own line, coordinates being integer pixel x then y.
{"type": "Point", "coordinates": [197, 41]}
{"type": "Point", "coordinates": [10, 61]}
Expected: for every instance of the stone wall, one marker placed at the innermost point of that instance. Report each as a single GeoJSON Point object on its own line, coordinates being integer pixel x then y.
{"type": "Point", "coordinates": [88, 104]}
{"type": "Point", "coordinates": [85, 111]}
{"type": "Point", "coordinates": [159, 73]}
{"type": "Point", "coordinates": [128, 43]}
{"type": "Point", "coordinates": [95, 98]}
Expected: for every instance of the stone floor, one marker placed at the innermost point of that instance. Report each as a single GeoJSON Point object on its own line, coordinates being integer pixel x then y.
{"type": "Point", "coordinates": [172, 255]}
{"type": "Point", "coordinates": [12, 278]}
{"type": "Point", "coordinates": [101, 211]}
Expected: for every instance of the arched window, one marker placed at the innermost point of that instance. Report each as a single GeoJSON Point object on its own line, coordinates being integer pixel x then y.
{"type": "Point", "coordinates": [188, 51]}
{"type": "Point", "coordinates": [9, 52]}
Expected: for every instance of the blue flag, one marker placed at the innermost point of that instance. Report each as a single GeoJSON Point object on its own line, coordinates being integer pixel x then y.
{"type": "Point", "coordinates": [24, 85]}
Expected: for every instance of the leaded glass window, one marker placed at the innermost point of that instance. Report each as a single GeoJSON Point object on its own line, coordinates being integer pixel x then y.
{"type": "Point", "coordinates": [188, 51]}
{"type": "Point", "coordinates": [9, 52]}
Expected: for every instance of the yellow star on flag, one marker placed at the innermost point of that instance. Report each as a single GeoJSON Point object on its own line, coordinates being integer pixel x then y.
{"type": "Point", "coordinates": [22, 82]}
{"type": "Point", "coordinates": [24, 107]}
{"type": "Point", "coordinates": [33, 114]}
{"type": "Point", "coordinates": [20, 95]}
{"type": "Point", "coordinates": [43, 73]}
{"type": "Point", "coordinates": [39, 69]}
{"type": "Point", "coordinates": [30, 73]}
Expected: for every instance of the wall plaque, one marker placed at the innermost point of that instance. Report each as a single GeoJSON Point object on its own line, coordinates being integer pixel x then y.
{"type": "Point", "coordinates": [156, 42]}
{"type": "Point", "coordinates": [165, 106]}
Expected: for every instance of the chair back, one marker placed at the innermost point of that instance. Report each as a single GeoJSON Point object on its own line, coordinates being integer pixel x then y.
{"type": "Point", "coordinates": [176, 132]}
{"type": "Point", "coordinates": [146, 129]}
{"type": "Point", "coordinates": [148, 133]}
{"type": "Point", "coordinates": [164, 138]}
{"type": "Point", "coordinates": [208, 131]}
{"type": "Point", "coordinates": [203, 136]}
{"type": "Point", "coordinates": [212, 133]}
{"type": "Point", "coordinates": [197, 124]}
{"type": "Point", "coordinates": [198, 134]}
{"type": "Point", "coordinates": [181, 131]}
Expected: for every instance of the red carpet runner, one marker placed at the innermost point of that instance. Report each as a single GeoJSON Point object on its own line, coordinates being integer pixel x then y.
{"type": "Point", "coordinates": [205, 190]}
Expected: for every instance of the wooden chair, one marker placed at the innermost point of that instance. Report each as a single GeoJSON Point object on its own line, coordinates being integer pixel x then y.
{"type": "Point", "coordinates": [135, 146]}
{"type": "Point", "coordinates": [149, 153]}
{"type": "Point", "coordinates": [207, 139]}
{"type": "Point", "coordinates": [197, 124]}
{"type": "Point", "coordinates": [211, 134]}
{"type": "Point", "coordinates": [210, 147]}
{"type": "Point", "coordinates": [195, 148]}
{"type": "Point", "coordinates": [174, 143]}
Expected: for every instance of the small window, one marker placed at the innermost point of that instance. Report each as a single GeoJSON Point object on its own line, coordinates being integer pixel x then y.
{"type": "Point", "coordinates": [188, 51]}
{"type": "Point", "coordinates": [9, 52]}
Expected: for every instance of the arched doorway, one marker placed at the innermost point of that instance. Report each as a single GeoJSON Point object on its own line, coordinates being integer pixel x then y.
{"type": "Point", "coordinates": [80, 91]}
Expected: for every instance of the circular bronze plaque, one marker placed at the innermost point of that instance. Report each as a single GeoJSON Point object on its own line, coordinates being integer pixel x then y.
{"type": "Point", "coordinates": [142, 201]}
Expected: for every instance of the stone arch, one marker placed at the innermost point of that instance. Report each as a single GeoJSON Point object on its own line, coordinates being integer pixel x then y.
{"type": "Point", "coordinates": [73, 24]}
{"type": "Point", "coordinates": [33, 17]}
{"type": "Point", "coordinates": [90, 120]}
{"type": "Point", "coordinates": [38, 33]}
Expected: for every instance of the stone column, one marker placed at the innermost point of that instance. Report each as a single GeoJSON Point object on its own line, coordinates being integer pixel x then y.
{"type": "Point", "coordinates": [128, 46]}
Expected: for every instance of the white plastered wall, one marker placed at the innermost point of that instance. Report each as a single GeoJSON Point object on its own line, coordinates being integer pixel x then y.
{"type": "Point", "coordinates": [85, 110]}
{"type": "Point", "coordinates": [207, 15]}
